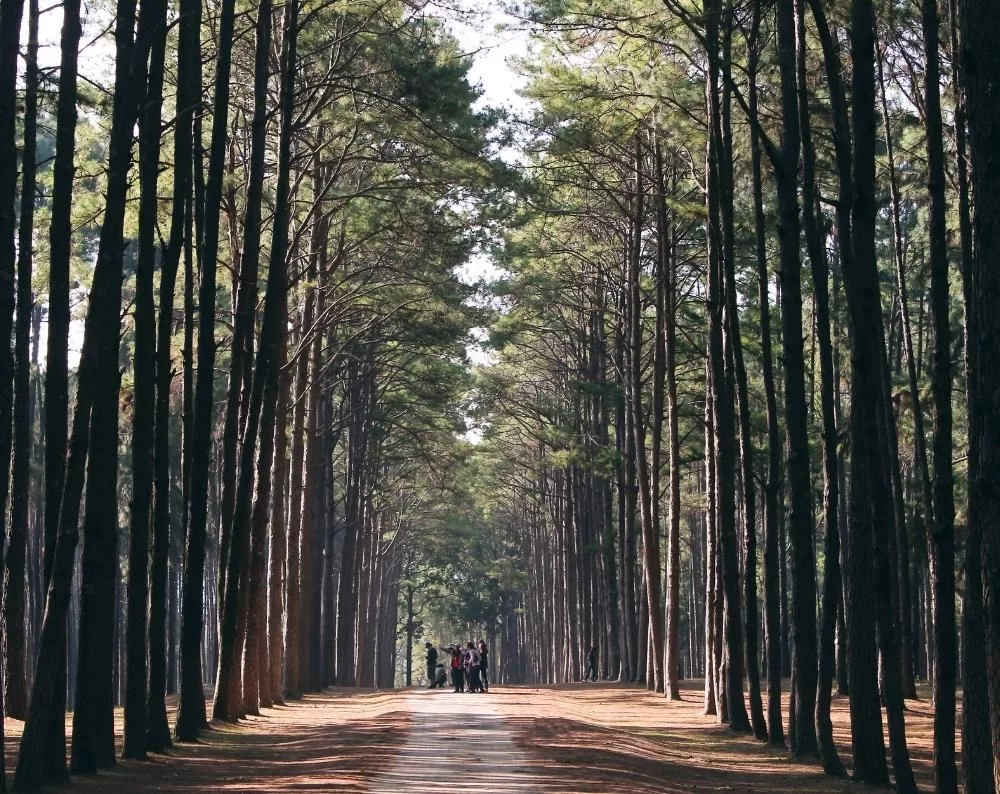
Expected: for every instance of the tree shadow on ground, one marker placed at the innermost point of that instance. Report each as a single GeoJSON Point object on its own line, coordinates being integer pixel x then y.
{"type": "Point", "coordinates": [302, 747]}
{"type": "Point", "coordinates": [573, 756]}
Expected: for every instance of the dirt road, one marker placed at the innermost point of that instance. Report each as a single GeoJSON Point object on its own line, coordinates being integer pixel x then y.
{"type": "Point", "coordinates": [573, 739]}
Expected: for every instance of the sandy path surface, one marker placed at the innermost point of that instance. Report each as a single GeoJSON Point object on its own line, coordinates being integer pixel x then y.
{"type": "Point", "coordinates": [456, 739]}
{"type": "Point", "coordinates": [570, 739]}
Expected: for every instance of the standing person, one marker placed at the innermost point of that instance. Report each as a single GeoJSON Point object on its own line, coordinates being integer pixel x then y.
{"type": "Point", "coordinates": [484, 667]}
{"type": "Point", "coordinates": [591, 664]}
{"type": "Point", "coordinates": [471, 659]}
{"type": "Point", "coordinates": [432, 660]}
{"type": "Point", "coordinates": [457, 676]}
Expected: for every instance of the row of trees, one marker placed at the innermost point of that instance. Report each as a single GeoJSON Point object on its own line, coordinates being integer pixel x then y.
{"type": "Point", "coordinates": [717, 465]}
{"type": "Point", "coordinates": [272, 355]}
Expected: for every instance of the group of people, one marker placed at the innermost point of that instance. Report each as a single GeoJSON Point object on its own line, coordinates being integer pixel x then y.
{"type": "Point", "coordinates": [469, 667]}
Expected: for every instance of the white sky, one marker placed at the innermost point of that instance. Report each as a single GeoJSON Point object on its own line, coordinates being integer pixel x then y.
{"type": "Point", "coordinates": [493, 37]}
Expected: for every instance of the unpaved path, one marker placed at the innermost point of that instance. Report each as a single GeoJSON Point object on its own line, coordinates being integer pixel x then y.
{"type": "Point", "coordinates": [456, 738]}
{"type": "Point", "coordinates": [570, 739]}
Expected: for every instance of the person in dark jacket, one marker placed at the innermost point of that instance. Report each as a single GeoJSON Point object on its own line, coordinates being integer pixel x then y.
{"type": "Point", "coordinates": [484, 667]}
{"type": "Point", "coordinates": [432, 661]}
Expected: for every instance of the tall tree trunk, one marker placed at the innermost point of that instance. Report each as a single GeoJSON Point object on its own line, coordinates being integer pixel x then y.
{"type": "Point", "coordinates": [711, 550]}
{"type": "Point", "coordinates": [772, 484]}
{"type": "Point", "coordinates": [96, 411]}
{"type": "Point", "coordinates": [241, 349]}
{"type": "Point", "coordinates": [919, 437]}
{"type": "Point", "coordinates": [722, 360]}
{"type": "Point", "coordinates": [51, 763]}
{"type": "Point", "coordinates": [261, 409]}
{"type": "Point", "coordinates": [868, 748]}
{"type": "Point", "coordinates": [10, 32]}
{"type": "Point", "coordinates": [144, 402]}
{"type": "Point", "coordinates": [293, 611]}
{"type": "Point", "coordinates": [255, 678]}
{"type": "Point", "coordinates": [15, 698]}
{"type": "Point", "coordinates": [739, 638]}
{"type": "Point", "coordinates": [943, 540]}
{"type": "Point", "coordinates": [188, 95]}
{"type": "Point", "coordinates": [803, 563]}
{"type": "Point", "coordinates": [277, 537]}
{"type": "Point", "coordinates": [669, 275]}
{"type": "Point", "coordinates": [93, 715]}
{"type": "Point", "coordinates": [650, 540]}
{"type": "Point", "coordinates": [347, 603]}
{"type": "Point", "coordinates": [977, 755]}
{"type": "Point", "coordinates": [980, 61]}
{"type": "Point", "coordinates": [871, 510]}
{"type": "Point", "coordinates": [816, 246]}
{"type": "Point", "coordinates": [313, 534]}
{"type": "Point", "coordinates": [626, 504]}
{"type": "Point", "coordinates": [237, 463]}
{"type": "Point", "coordinates": [660, 277]}
{"type": "Point", "coordinates": [603, 418]}
{"type": "Point", "coordinates": [191, 718]}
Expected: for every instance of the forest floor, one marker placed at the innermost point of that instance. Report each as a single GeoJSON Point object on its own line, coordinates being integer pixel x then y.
{"type": "Point", "coordinates": [563, 739]}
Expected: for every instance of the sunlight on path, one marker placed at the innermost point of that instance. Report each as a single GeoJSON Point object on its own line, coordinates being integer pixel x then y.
{"type": "Point", "coordinates": [456, 740]}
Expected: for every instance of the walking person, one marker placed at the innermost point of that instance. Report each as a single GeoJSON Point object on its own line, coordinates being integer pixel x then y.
{"type": "Point", "coordinates": [432, 660]}
{"type": "Point", "coordinates": [484, 667]}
